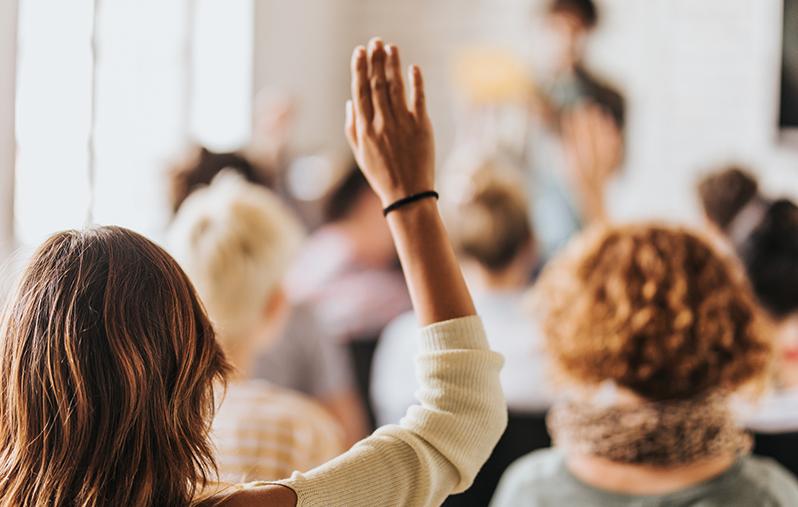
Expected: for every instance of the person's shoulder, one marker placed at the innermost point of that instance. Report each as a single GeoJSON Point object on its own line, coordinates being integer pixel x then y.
{"type": "Point", "coordinates": [536, 467]}
{"type": "Point", "coordinates": [250, 495]}
{"type": "Point", "coordinates": [530, 479]}
{"type": "Point", "coordinates": [264, 400]}
{"type": "Point", "coordinates": [295, 403]}
{"type": "Point", "coordinates": [771, 479]}
{"type": "Point", "coordinates": [400, 326]}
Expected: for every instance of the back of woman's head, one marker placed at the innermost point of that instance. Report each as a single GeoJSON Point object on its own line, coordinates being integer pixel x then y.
{"type": "Point", "coordinates": [770, 256]}
{"type": "Point", "coordinates": [654, 309]}
{"type": "Point", "coordinates": [491, 224]}
{"type": "Point", "coordinates": [725, 193]}
{"type": "Point", "coordinates": [106, 369]}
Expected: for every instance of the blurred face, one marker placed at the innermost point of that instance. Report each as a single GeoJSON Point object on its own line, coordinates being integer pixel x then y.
{"type": "Point", "coordinates": [563, 41]}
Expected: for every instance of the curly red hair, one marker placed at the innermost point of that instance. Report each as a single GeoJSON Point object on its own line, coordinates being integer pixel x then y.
{"type": "Point", "coordinates": [654, 309]}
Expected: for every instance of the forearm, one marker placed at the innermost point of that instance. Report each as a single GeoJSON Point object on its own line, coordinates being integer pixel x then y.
{"type": "Point", "coordinates": [439, 445]}
{"type": "Point", "coordinates": [433, 275]}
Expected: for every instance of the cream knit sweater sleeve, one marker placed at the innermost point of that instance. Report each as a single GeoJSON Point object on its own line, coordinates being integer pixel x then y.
{"type": "Point", "coordinates": [440, 444]}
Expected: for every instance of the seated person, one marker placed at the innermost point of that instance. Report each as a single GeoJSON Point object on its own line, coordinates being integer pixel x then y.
{"type": "Point", "coordinates": [303, 359]}
{"type": "Point", "coordinates": [651, 330]}
{"type": "Point", "coordinates": [492, 235]}
{"type": "Point", "coordinates": [764, 234]}
{"type": "Point", "coordinates": [491, 232]}
{"type": "Point", "coordinates": [346, 278]}
{"type": "Point", "coordinates": [235, 241]}
{"type": "Point", "coordinates": [202, 165]}
{"type": "Point", "coordinates": [124, 357]}
{"type": "Point", "coordinates": [300, 358]}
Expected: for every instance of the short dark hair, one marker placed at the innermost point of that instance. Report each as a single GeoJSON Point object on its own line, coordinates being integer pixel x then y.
{"type": "Point", "coordinates": [203, 168]}
{"type": "Point", "coordinates": [725, 192]}
{"type": "Point", "coordinates": [585, 10]}
{"type": "Point", "coordinates": [343, 198]}
{"type": "Point", "coordinates": [770, 256]}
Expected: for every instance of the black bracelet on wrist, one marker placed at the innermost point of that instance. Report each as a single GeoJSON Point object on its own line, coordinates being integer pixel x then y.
{"type": "Point", "coordinates": [407, 200]}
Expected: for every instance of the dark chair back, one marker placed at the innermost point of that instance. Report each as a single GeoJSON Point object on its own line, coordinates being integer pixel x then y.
{"type": "Point", "coordinates": [781, 447]}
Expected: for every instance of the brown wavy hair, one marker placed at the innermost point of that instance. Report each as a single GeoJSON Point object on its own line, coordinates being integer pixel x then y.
{"type": "Point", "coordinates": [107, 363]}
{"type": "Point", "coordinates": [654, 309]}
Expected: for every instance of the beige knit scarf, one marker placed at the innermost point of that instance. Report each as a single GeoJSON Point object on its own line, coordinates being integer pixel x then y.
{"type": "Point", "coordinates": [665, 433]}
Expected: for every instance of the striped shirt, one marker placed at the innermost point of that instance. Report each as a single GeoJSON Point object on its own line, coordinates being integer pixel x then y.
{"type": "Point", "coordinates": [265, 432]}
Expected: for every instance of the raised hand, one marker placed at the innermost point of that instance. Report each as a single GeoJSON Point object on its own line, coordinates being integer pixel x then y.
{"type": "Point", "coordinates": [594, 149]}
{"type": "Point", "coordinates": [392, 140]}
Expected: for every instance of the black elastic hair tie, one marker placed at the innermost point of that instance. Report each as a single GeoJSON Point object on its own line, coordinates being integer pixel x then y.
{"type": "Point", "coordinates": [407, 200]}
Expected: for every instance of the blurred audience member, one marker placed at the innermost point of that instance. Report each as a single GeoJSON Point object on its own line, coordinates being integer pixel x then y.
{"type": "Point", "coordinates": [305, 360]}
{"type": "Point", "coordinates": [300, 358]}
{"type": "Point", "coordinates": [490, 229]}
{"type": "Point", "coordinates": [202, 165]}
{"type": "Point", "coordinates": [732, 202]}
{"type": "Point", "coordinates": [347, 274]}
{"type": "Point", "coordinates": [235, 241]}
{"type": "Point", "coordinates": [581, 145]}
{"type": "Point", "coordinates": [651, 330]}
{"type": "Point", "coordinates": [764, 234]}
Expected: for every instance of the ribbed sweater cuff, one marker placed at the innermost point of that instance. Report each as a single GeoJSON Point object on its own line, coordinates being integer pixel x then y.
{"type": "Point", "coordinates": [461, 333]}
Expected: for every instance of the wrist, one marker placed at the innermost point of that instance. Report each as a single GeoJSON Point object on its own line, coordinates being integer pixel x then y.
{"type": "Point", "coordinates": [410, 199]}
{"type": "Point", "coordinates": [413, 212]}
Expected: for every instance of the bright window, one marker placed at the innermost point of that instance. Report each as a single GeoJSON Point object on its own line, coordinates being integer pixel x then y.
{"type": "Point", "coordinates": [96, 130]}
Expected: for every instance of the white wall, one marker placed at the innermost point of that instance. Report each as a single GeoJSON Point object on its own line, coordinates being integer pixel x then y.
{"type": "Point", "coordinates": [8, 48]}
{"type": "Point", "coordinates": [700, 78]}
{"type": "Point", "coordinates": [303, 47]}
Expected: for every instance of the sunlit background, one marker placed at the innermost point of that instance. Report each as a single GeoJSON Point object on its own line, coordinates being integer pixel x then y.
{"type": "Point", "coordinates": [107, 93]}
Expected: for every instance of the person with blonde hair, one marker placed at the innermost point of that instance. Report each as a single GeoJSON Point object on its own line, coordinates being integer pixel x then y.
{"type": "Point", "coordinates": [651, 331]}
{"type": "Point", "coordinates": [108, 360]}
{"type": "Point", "coordinates": [235, 241]}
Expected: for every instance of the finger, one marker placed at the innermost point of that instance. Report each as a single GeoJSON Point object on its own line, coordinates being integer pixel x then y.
{"type": "Point", "coordinates": [396, 83]}
{"type": "Point", "coordinates": [418, 100]}
{"type": "Point", "coordinates": [379, 82]}
{"type": "Point", "coordinates": [350, 128]}
{"type": "Point", "coordinates": [361, 90]}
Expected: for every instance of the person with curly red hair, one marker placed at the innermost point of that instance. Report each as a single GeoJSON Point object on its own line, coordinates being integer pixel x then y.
{"type": "Point", "coordinates": [650, 331]}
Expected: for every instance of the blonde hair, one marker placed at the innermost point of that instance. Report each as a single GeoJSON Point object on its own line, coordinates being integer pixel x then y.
{"type": "Point", "coordinates": [235, 240]}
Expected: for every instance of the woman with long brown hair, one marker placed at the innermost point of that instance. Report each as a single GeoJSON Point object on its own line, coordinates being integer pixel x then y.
{"type": "Point", "coordinates": [107, 359]}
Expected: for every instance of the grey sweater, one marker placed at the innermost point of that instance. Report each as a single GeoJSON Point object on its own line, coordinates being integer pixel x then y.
{"type": "Point", "coordinates": [542, 479]}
